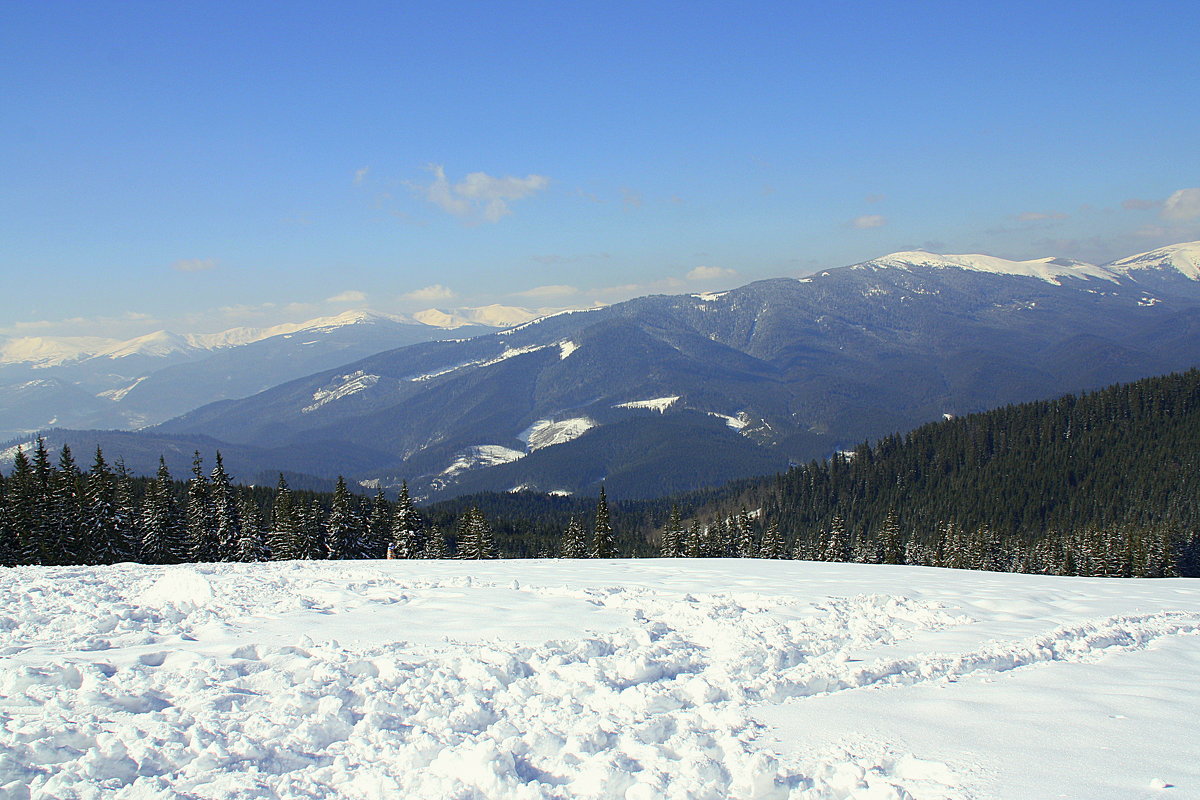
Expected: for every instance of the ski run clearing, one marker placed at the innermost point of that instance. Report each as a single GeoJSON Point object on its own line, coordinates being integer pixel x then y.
{"type": "Point", "coordinates": [636, 679]}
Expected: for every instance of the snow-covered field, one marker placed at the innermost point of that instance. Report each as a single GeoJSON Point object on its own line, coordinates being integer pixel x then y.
{"type": "Point", "coordinates": [586, 679]}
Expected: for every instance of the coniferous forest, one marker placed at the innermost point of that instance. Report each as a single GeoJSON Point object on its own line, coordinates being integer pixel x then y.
{"type": "Point", "coordinates": [1099, 484]}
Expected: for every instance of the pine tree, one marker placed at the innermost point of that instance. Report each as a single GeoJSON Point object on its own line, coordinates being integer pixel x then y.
{"type": "Point", "coordinates": [126, 534]}
{"type": "Point", "coordinates": [226, 513]}
{"type": "Point", "coordinates": [772, 542]}
{"type": "Point", "coordinates": [574, 542]}
{"type": "Point", "coordinates": [198, 516]}
{"type": "Point", "coordinates": [310, 533]}
{"type": "Point", "coordinates": [603, 544]}
{"type": "Point", "coordinates": [161, 539]}
{"type": "Point", "coordinates": [890, 547]}
{"type": "Point", "coordinates": [407, 534]}
{"type": "Point", "coordinates": [835, 545]}
{"type": "Point", "coordinates": [673, 535]}
{"type": "Point", "coordinates": [8, 537]}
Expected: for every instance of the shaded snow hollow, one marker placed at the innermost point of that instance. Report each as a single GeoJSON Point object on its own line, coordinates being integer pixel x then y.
{"type": "Point", "coordinates": [593, 679]}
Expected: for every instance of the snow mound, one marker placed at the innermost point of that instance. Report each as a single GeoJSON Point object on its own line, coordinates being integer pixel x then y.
{"type": "Point", "coordinates": [546, 433]}
{"type": "Point", "coordinates": [339, 387]}
{"type": "Point", "coordinates": [659, 404]}
{"type": "Point", "coordinates": [180, 586]}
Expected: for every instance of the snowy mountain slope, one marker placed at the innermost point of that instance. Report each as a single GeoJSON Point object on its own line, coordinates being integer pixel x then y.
{"type": "Point", "coordinates": [794, 369]}
{"type": "Point", "coordinates": [741, 679]}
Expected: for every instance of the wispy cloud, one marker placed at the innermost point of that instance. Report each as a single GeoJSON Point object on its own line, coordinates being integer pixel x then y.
{"type": "Point", "coordinates": [194, 265]}
{"type": "Point", "coordinates": [360, 175]}
{"type": "Point", "coordinates": [710, 273]}
{"type": "Point", "coordinates": [1038, 216]}
{"type": "Point", "coordinates": [1182, 205]}
{"type": "Point", "coordinates": [631, 198]}
{"type": "Point", "coordinates": [435, 292]}
{"type": "Point", "coordinates": [348, 296]}
{"type": "Point", "coordinates": [1138, 204]}
{"type": "Point", "coordinates": [867, 221]}
{"type": "Point", "coordinates": [876, 198]}
{"type": "Point", "coordinates": [479, 194]}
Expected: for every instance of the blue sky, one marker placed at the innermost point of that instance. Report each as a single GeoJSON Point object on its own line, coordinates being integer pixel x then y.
{"type": "Point", "coordinates": [202, 165]}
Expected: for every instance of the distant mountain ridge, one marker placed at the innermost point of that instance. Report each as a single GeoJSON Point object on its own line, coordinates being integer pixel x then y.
{"type": "Point", "coordinates": [667, 393]}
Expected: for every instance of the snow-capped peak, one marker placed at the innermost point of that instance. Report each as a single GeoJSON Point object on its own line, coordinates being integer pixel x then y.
{"type": "Point", "coordinates": [1046, 269]}
{"type": "Point", "coordinates": [1183, 258]}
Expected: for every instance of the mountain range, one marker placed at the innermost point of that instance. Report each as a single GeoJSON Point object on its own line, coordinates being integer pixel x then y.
{"type": "Point", "coordinates": [128, 384]}
{"type": "Point", "coordinates": [667, 393]}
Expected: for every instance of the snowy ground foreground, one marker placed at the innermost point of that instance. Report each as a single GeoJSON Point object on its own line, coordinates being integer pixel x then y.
{"type": "Point", "coordinates": [554, 679]}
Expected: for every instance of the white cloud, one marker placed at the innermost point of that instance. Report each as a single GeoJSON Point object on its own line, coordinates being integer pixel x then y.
{"type": "Point", "coordinates": [555, 290]}
{"type": "Point", "coordinates": [348, 296]}
{"type": "Point", "coordinates": [1037, 216]}
{"type": "Point", "coordinates": [1183, 205]}
{"type": "Point", "coordinates": [710, 273]}
{"type": "Point", "coordinates": [194, 265]}
{"type": "Point", "coordinates": [1137, 204]}
{"type": "Point", "coordinates": [434, 292]}
{"type": "Point", "coordinates": [868, 221]}
{"type": "Point", "coordinates": [360, 175]}
{"type": "Point", "coordinates": [480, 193]}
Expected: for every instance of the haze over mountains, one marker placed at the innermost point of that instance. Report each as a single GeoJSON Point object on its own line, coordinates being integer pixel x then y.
{"type": "Point", "coordinates": [110, 383]}
{"type": "Point", "coordinates": [667, 393]}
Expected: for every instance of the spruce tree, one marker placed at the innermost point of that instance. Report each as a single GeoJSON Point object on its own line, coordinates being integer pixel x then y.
{"type": "Point", "coordinates": [475, 536]}
{"type": "Point", "coordinates": [378, 526]}
{"type": "Point", "coordinates": [743, 535]}
{"type": "Point", "coordinates": [407, 534]}
{"type": "Point", "coordinates": [694, 543]}
{"type": "Point", "coordinates": [435, 545]}
{"type": "Point", "coordinates": [67, 545]}
{"type": "Point", "coordinates": [199, 531]}
{"type": "Point", "coordinates": [103, 543]}
{"type": "Point", "coordinates": [574, 542]}
{"type": "Point", "coordinates": [342, 535]}
{"type": "Point", "coordinates": [673, 535]}
{"type": "Point", "coordinates": [285, 524]}
{"type": "Point", "coordinates": [162, 542]}
{"type": "Point", "coordinates": [252, 540]}
{"type": "Point", "coordinates": [226, 520]}
{"type": "Point", "coordinates": [21, 489]}
{"type": "Point", "coordinates": [8, 537]}
{"type": "Point", "coordinates": [603, 544]}
{"type": "Point", "coordinates": [310, 532]}
{"type": "Point", "coordinates": [772, 542]}
{"type": "Point", "coordinates": [126, 534]}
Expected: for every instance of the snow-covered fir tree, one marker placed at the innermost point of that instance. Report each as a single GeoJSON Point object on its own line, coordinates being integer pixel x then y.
{"type": "Point", "coordinates": [742, 535]}
{"type": "Point", "coordinates": [673, 535]}
{"type": "Point", "coordinates": [343, 534]}
{"type": "Point", "coordinates": [310, 533]}
{"type": "Point", "coordinates": [378, 526]}
{"type": "Point", "coordinates": [198, 512]}
{"type": "Point", "coordinates": [574, 541]}
{"type": "Point", "coordinates": [226, 514]}
{"type": "Point", "coordinates": [772, 542]}
{"type": "Point", "coordinates": [127, 541]}
{"type": "Point", "coordinates": [407, 527]}
{"type": "Point", "coordinates": [100, 517]}
{"type": "Point", "coordinates": [283, 537]}
{"type": "Point", "coordinates": [694, 541]}
{"type": "Point", "coordinates": [252, 542]}
{"type": "Point", "coordinates": [435, 545]}
{"type": "Point", "coordinates": [835, 542]}
{"type": "Point", "coordinates": [161, 540]}
{"type": "Point", "coordinates": [475, 536]}
{"type": "Point", "coordinates": [603, 543]}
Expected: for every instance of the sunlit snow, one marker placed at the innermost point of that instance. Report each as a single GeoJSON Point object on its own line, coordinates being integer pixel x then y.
{"type": "Point", "coordinates": [339, 387]}
{"type": "Point", "coordinates": [545, 432]}
{"type": "Point", "coordinates": [636, 679]}
{"type": "Point", "coordinates": [659, 404]}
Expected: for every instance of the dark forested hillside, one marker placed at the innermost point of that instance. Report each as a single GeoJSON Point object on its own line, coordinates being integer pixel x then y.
{"type": "Point", "coordinates": [1118, 464]}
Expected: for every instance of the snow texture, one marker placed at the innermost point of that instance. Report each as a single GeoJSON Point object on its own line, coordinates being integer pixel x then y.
{"type": "Point", "coordinates": [593, 679]}
{"type": "Point", "coordinates": [545, 432]}
{"type": "Point", "coordinates": [659, 404]}
{"type": "Point", "coordinates": [339, 387]}
{"type": "Point", "coordinates": [566, 348]}
{"type": "Point", "coordinates": [1183, 258]}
